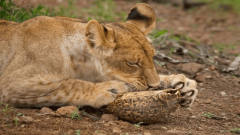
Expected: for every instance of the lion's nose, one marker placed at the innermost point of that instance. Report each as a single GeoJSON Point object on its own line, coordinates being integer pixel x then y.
{"type": "Point", "coordinates": [152, 77]}
{"type": "Point", "coordinates": [154, 85]}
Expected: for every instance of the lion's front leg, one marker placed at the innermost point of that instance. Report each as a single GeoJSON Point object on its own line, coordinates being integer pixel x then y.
{"type": "Point", "coordinates": [85, 93]}
{"type": "Point", "coordinates": [52, 90]}
{"type": "Point", "coordinates": [189, 87]}
{"type": "Point", "coordinates": [101, 91]}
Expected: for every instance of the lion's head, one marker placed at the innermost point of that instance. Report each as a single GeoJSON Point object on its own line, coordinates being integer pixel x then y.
{"type": "Point", "coordinates": [124, 48]}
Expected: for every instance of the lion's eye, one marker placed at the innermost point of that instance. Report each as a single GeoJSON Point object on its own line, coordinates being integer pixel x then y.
{"type": "Point", "coordinates": [133, 64]}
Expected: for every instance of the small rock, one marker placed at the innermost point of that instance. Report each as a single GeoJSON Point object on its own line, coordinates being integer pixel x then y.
{"type": "Point", "coordinates": [212, 67]}
{"type": "Point", "coordinates": [193, 116]}
{"type": "Point", "coordinates": [207, 101]}
{"type": "Point", "coordinates": [59, 1]}
{"type": "Point", "coordinates": [116, 130]}
{"type": "Point", "coordinates": [223, 93]}
{"type": "Point", "coordinates": [202, 76]}
{"type": "Point", "coordinates": [200, 128]}
{"type": "Point", "coordinates": [147, 133]}
{"type": "Point", "coordinates": [235, 64]}
{"type": "Point", "coordinates": [165, 128]}
{"type": "Point", "coordinates": [67, 110]}
{"type": "Point", "coordinates": [223, 114]}
{"type": "Point", "coordinates": [46, 110]}
{"type": "Point", "coordinates": [108, 117]}
{"type": "Point", "coordinates": [99, 132]}
{"type": "Point", "coordinates": [174, 131]}
{"type": "Point", "coordinates": [191, 68]}
{"type": "Point", "coordinates": [26, 119]}
{"type": "Point", "coordinates": [200, 84]}
{"type": "Point", "coordinates": [208, 77]}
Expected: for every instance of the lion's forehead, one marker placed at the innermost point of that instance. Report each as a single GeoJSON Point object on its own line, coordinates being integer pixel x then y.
{"type": "Point", "coordinates": [132, 40]}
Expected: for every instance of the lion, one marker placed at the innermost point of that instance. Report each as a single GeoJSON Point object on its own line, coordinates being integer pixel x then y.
{"type": "Point", "coordinates": [58, 61]}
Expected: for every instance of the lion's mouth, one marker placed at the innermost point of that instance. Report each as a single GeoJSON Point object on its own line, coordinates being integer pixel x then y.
{"type": "Point", "coordinates": [131, 87]}
{"type": "Point", "coordinates": [136, 87]}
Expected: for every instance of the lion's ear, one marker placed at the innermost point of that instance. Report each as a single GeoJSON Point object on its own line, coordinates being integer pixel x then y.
{"type": "Point", "coordinates": [143, 16]}
{"type": "Point", "coordinates": [99, 36]}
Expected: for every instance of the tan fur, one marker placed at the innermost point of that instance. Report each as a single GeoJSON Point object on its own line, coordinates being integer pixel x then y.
{"type": "Point", "coordinates": [55, 61]}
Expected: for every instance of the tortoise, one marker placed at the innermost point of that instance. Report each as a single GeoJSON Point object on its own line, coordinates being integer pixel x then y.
{"type": "Point", "coordinates": [146, 106]}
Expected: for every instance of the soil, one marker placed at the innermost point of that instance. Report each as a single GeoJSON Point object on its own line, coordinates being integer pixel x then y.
{"type": "Point", "coordinates": [216, 110]}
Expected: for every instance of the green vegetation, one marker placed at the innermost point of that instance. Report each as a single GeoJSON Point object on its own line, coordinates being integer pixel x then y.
{"type": "Point", "coordinates": [77, 132]}
{"type": "Point", "coordinates": [69, 10]}
{"type": "Point", "coordinates": [12, 12]}
{"type": "Point", "coordinates": [9, 11]}
{"type": "Point", "coordinates": [163, 32]}
{"type": "Point", "coordinates": [212, 116]}
{"type": "Point", "coordinates": [160, 36]}
{"type": "Point", "coordinates": [158, 33]}
{"type": "Point", "coordinates": [20, 114]}
{"type": "Point", "coordinates": [208, 115]}
{"type": "Point", "coordinates": [225, 4]}
{"type": "Point", "coordinates": [6, 108]}
{"type": "Point", "coordinates": [16, 121]}
{"type": "Point", "coordinates": [235, 130]}
{"type": "Point", "coordinates": [104, 10]}
{"type": "Point", "coordinates": [223, 47]}
{"type": "Point", "coordinates": [138, 125]}
{"type": "Point", "coordinates": [75, 115]}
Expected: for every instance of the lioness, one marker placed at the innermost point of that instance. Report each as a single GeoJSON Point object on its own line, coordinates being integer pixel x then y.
{"type": "Point", "coordinates": [56, 61]}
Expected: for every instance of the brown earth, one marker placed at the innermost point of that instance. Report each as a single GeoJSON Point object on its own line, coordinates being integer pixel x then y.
{"type": "Point", "coordinates": [215, 112]}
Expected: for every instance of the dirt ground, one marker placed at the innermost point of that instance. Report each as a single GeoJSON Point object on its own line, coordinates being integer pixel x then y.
{"type": "Point", "coordinates": [216, 110]}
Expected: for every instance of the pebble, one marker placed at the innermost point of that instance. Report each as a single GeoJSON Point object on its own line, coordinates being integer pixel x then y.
{"type": "Point", "coordinates": [200, 84]}
{"type": "Point", "coordinates": [191, 68]}
{"type": "Point", "coordinates": [26, 119]}
{"type": "Point", "coordinates": [202, 76]}
{"type": "Point", "coordinates": [200, 128]}
{"type": "Point", "coordinates": [147, 133]}
{"type": "Point", "coordinates": [174, 131]}
{"type": "Point", "coordinates": [46, 110]}
{"type": "Point", "coordinates": [67, 110]}
{"type": "Point", "coordinates": [212, 67]}
{"type": "Point", "coordinates": [193, 116]}
{"type": "Point", "coordinates": [165, 128]}
{"type": "Point", "coordinates": [116, 130]}
{"type": "Point", "coordinates": [223, 93]}
{"type": "Point", "coordinates": [99, 132]}
{"type": "Point", "coordinates": [208, 101]}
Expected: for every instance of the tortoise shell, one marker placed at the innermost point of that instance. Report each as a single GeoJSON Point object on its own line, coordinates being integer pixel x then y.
{"type": "Point", "coordinates": [145, 106]}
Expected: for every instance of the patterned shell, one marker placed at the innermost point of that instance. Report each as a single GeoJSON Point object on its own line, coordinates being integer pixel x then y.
{"type": "Point", "coordinates": [145, 106]}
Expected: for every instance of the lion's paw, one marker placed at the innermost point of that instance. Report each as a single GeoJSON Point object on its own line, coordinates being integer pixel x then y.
{"type": "Point", "coordinates": [106, 92]}
{"type": "Point", "coordinates": [188, 87]}
{"type": "Point", "coordinates": [189, 92]}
